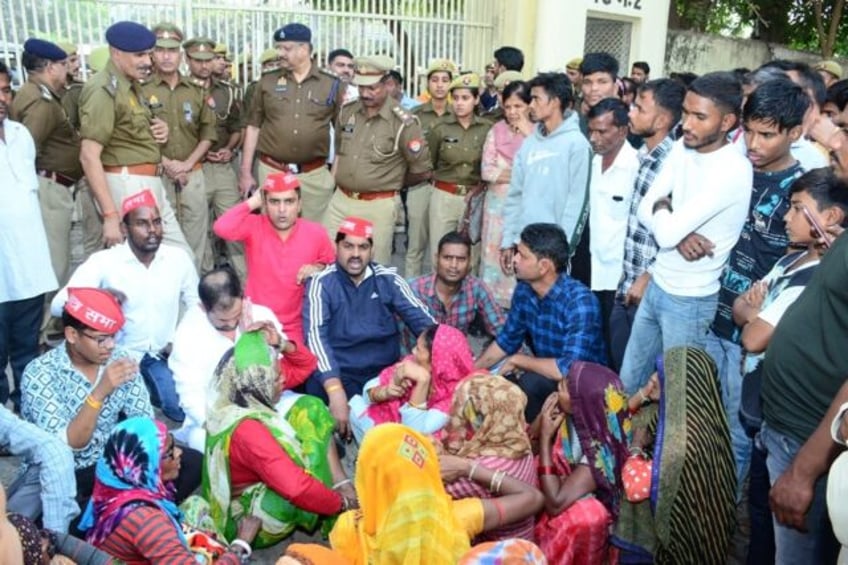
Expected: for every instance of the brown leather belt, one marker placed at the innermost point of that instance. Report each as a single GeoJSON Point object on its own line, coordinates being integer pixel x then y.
{"type": "Point", "coordinates": [58, 177]}
{"type": "Point", "coordinates": [453, 188]}
{"type": "Point", "coordinates": [296, 168]}
{"type": "Point", "coordinates": [144, 169]}
{"type": "Point", "coordinates": [368, 195]}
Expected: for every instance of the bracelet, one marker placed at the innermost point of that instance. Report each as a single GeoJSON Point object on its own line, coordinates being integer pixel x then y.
{"type": "Point", "coordinates": [497, 477]}
{"type": "Point", "coordinates": [110, 214]}
{"type": "Point", "coordinates": [471, 470]}
{"type": "Point", "coordinates": [93, 402]}
{"type": "Point", "coordinates": [342, 483]}
{"type": "Point", "coordinates": [500, 481]}
{"type": "Point", "coordinates": [240, 543]}
{"type": "Point", "coordinates": [500, 510]}
{"type": "Point", "coordinates": [545, 470]}
{"type": "Point", "coordinates": [422, 406]}
{"type": "Point", "coordinates": [333, 388]}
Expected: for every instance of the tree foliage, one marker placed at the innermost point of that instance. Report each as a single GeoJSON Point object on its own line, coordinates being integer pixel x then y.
{"type": "Point", "coordinates": [810, 25]}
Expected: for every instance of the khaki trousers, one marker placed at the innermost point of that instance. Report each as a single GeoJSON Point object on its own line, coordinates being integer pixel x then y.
{"type": "Point", "coordinates": [57, 209]}
{"type": "Point", "coordinates": [192, 212]}
{"type": "Point", "coordinates": [316, 189]}
{"type": "Point", "coordinates": [418, 228]}
{"type": "Point", "coordinates": [222, 193]}
{"type": "Point", "coordinates": [380, 212]}
{"type": "Point", "coordinates": [446, 212]}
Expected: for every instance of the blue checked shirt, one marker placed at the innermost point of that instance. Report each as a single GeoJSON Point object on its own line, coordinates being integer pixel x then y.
{"type": "Point", "coordinates": [564, 324]}
{"type": "Point", "coordinates": [55, 472]}
{"type": "Point", "coordinates": [640, 249]}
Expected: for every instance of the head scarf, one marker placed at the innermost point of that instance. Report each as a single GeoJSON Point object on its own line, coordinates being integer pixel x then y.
{"type": "Point", "coordinates": [129, 473]}
{"type": "Point", "coordinates": [600, 416]}
{"type": "Point", "coordinates": [310, 554]}
{"type": "Point", "coordinates": [405, 514]}
{"type": "Point", "coordinates": [451, 361]}
{"type": "Point", "coordinates": [246, 375]}
{"type": "Point", "coordinates": [30, 537]}
{"type": "Point", "coordinates": [487, 419]}
{"type": "Point", "coordinates": [506, 552]}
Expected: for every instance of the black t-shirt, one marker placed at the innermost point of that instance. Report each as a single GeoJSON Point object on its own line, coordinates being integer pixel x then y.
{"type": "Point", "coordinates": [762, 242]}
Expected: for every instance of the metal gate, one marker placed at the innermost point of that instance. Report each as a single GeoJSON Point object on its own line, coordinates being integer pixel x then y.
{"type": "Point", "coordinates": [611, 36]}
{"type": "Point", "coordinates": [412, 31]}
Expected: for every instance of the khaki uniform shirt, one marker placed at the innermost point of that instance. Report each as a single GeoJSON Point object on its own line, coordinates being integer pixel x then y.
{"type": "Point", "coordinates": [428, 116]}
{"type": "Point", "coordinates": [56, 141]}
{"type": "Point", "coordinates": [113, 113]}
{"type": "Point", "coordinates": [249, 91]}
{"type": "Point", "coordinates": [374, 154]}
{"type": "Point", "coordinates": [190, 120]}
{"type": "Point", "coordinates": [457, 152]}
{"type": "Point", "coordinates": [221, 100]}
{"type": "Point", "coordinates": [294, 119]}
{"type": "Point", "coordinates": [70, 100]}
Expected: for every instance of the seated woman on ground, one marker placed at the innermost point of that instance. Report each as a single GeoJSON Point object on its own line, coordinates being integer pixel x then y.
{"type": "Point", "coordinates": [269, 451]}
{"type": "Point", "coordinates": [487, 428]}
{"type": "Point", "coordinates": [585, 429]}
{"type": "Point", "coordinates": [132, 515]}
{"type": "Point", "coordinates": [416, 391]}
{"type": "Point", "coordinates": [681, 446]}
{"type": "Point", "coordinates": [407, 517]}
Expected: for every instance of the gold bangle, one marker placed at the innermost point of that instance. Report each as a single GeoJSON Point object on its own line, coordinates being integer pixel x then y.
{"type": "Point", "coordinates": [333, 388]}
{"type": "Point", "coordinates": [422, 406]}
{"type": "Point", "coordinates": [91, 401]}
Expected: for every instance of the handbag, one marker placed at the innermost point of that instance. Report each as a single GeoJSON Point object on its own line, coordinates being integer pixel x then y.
{"type": "Point", "coordinates": [636, 478]}
{"type": "Point", "coordinates": [471, 225]}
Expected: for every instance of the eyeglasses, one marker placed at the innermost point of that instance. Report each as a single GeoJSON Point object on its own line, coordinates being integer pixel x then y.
{"type": "Point", "coordinates": [101, 340]}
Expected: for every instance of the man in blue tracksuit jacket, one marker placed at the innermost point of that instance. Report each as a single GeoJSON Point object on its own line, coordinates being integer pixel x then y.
{"type": "Point", "coordinates": [349, 317]}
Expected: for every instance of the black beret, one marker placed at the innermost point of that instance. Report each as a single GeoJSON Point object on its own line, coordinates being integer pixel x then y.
{"type": "Point", "coordinates": [44, 50]}
{"type": "Point", "coordinates": [293, 32]}
{"type": "Point", "coordinates": [130, 37]}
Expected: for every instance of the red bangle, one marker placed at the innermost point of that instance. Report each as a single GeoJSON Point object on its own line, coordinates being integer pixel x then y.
{"type": "Point", "coordinates": [500, 510]}
{"type": "Point", "coordinates": [545, 470]}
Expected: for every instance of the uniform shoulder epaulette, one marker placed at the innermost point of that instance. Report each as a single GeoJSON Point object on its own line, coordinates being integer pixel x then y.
{"type": "Point", "coordinates": [73, 85]}
{"type": "Point", "coordinates": [198, 82]}
{"type": "Point", "coordinates": [224, 82]}
{"type": "Point", "coordinates": [406, 117]}
{"type": "Point", "coordinates": [111, 85]}
{"type": "Point", "coordinates": [348, 103]}
{"type": "Point", "coordinates": [45, 92]}
{"type": "Point", "coordinates": [329, 73]}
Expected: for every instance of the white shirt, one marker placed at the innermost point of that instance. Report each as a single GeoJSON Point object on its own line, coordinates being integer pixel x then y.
{"type": "Point", "coordinates": [154, 294]}
{"type": "Point", "coordinates": [609, 206]}
{"type": "Point", "coordinates": [711, 194]}
{"type": "Point", "coordinates": [197, 349]}
{"type": "Point", "coordinates": [24, 255]}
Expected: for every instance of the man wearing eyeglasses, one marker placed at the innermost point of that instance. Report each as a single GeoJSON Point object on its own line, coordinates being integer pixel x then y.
{"type": "Point", "coordinates": [80, 390]}
{"type": "Point", "coordinates": [158, 281]}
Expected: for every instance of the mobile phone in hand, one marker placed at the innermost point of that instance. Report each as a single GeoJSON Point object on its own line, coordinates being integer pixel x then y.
{"type": "Point", "coordinates": [817, 227]}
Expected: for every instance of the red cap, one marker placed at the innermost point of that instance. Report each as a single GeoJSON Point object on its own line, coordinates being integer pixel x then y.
{"type": "Point", "coordinates": [357, 227]}
{"type": "Point", "coordinates": [96, 308]}
{"type": "Point", "coordinates": [280, 182]}
{"type": "Point", "coordinates": [143, 199]}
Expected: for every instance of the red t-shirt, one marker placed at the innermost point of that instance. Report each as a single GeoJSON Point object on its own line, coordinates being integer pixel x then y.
{"type": "Point", "coordinates": [272, 264]}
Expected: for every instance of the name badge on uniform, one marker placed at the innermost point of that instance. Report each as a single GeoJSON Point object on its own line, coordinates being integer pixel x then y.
{"type": "Point", "coordinates": [450, 140]}
{"type": "Point", "coordinates": [187, 112]}
{"type": "Point", "coordinates": [281, 85]}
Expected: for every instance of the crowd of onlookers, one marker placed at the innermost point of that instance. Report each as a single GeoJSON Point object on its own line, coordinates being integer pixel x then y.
{"type": "Point", "coordinates": [656, 266]}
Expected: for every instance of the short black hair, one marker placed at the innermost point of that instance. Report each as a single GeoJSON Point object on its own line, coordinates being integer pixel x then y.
{"type": "Point", "coordinates": [668, 95]}
{"type": "Point", "coordinates": [599, 62]}
{"type": "Point", "coordinates": [4, 70]}
{"type": "Point", "coordinates": [547, 241]}
{"type": "Point", "coordinates": [395, 76]}
{"type": "Point", "coordinates": [219, 288]}
{"type": "Point", "coordinates": [556, 85]}
{"type": "Point", "coordinates": [722, 88]}
{"type": "Point", "coordinates": [763, 75]}
{"type": "Point", "coordinates": [510, 57]}
{"type": "Point", "coordinates": [338, 53]}
{"type": "Point", "coordinates": [518, 88]}
{"type": "Point", "coordinates": [627, 86]}
{"type": "Point", "coordinates": [618, 108]}
{"type": "Point", "coordinates": [685, 78]}
{"type": "Point", "coordinates": [809, 78]}
{"type": "Point", "coordinates": [340, 237]}
{"type": "Point", "coordinates": [826, 188]}
{"type": "Point", "coordinates": [453, 237]}
{"type": "Point", "coordinates": [33, 63]}
{"type": "Point", "coordinates": [643, 66]}
{"type": "Point", "coordinates": [837, 94]}
{"type": "Point", "coordinates": [780, 102]}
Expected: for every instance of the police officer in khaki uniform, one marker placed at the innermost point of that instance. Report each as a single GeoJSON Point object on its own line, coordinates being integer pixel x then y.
{"type": "Point", "coordinates": [269, 62]}
{"type": "Point", "coordinates": [379, 148]}
{"type": "Point", "coordinates": [191, 125]}
{"type": "Point", "coordinates": [440, 73]}
{"type": "Point", "coordinates": [120, 135]}
{"type": "Point", "coordinates": [289, 121]}
{"type": "Point", "coordinates": [220, 177]}
{"type": "Point", "coordinates": [73, 86]}
{"type": "Point", "coordinates": [456, 146]}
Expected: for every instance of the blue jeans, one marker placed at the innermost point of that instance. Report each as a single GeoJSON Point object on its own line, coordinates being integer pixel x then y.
{"type": "Point", "coordinates": [663, 321]}
{"type": "Point", "coordinates": [160, 383]}
{"type": "Point", "coordinates": [20, 322]}
{"type": "Point", "coordinates": [818, 544]}
{"type": "Point", "coordinates": [761, 543]}
{"type": "Point", "coordinates": [728, 359]}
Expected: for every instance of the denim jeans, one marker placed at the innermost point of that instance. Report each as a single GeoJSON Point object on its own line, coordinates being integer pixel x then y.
{"type": "Point", "coordinates": [663, 321]}
{"type": "Point", "coordinates": [728, 359]}
{"type": "Point", "coordinates": [620, 326]}
{"type": "Point", "coordinates": [761, 542]}
{"type": "Point", "coordinates": [20, 322]}
{"type": "Point", "coordinates": [160, 383]}
{"type": "Point", "coordinates": [818, 544]}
